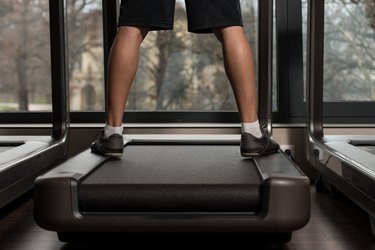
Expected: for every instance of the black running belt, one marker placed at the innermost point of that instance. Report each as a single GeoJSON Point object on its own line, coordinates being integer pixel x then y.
{"type": "Point", "coordinates": [174, 178]}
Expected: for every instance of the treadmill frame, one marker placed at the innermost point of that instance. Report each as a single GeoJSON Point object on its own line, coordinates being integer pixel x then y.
{"type": "Point", "coordinates": [333, 156]}
{"type": "Point", "coordinates": [285, 200]}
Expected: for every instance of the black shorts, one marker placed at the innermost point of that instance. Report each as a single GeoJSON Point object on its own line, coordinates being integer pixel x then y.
{"type": "Point", "coordinates": [203, 15]}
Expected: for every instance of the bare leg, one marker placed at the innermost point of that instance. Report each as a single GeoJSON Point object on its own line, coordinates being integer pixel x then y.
{"type": "Point", "coordinates": [239, 67]}
{"type": "Point", "coordinates": [123, 63]}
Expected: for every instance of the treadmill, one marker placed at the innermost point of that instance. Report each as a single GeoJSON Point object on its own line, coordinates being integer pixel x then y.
{"type": "Point", "coordinates": [347, 162]}
{"type": "Point", "coordinates": [195, 184]}
{"type": "Point", "coordinates": [23, 158]}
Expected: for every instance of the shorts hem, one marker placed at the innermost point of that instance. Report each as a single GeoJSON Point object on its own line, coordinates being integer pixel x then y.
{"type": "Point", "coordinates": [208, 28]}
{"type": "Point", "coordinates": [152, 25]}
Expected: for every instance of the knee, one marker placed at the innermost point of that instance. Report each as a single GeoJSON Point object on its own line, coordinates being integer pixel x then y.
{"type": "Point", "coordinates": [222, 33]}
{"type": "Point", "coordinates": [138, 33]}
{"type": "Point", "coordinates": [219, 33]}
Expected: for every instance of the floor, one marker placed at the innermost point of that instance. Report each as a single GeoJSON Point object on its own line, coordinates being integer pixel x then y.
{"type": "Point", "coordinates": [336, 224]}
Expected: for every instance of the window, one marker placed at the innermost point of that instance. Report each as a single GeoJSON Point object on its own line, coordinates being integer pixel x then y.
{"type": "Point", "coordinates": [349, 72]}
{"type": "Point", "coordinates": [178, 71]}
{"type": "Point", "coordinates": [349, 61]}
{"type": "Point", "coordinates": [25, 55]}
{"type": "Point", "coordinates": [25, 83]}
{"type": "Point", "coordinates": [85, 54]}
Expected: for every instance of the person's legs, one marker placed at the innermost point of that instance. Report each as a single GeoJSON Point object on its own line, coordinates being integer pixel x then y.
{"type": "Point", "coordinates": [239, 67]}
{"type": "Point", "coordinates": [137, 18]}
{"type": "Point", "coordinates": [123, 63]}
{"type": "Point", "coordinates": [224, 18]}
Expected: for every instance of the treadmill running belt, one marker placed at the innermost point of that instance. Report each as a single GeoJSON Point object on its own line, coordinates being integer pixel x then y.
{"type": "Point", "coordinates": [173, 178]}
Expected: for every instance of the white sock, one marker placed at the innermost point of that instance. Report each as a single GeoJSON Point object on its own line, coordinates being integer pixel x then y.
{"type": "Point", "coordinates": [109, 130]}
{"type": "Point", "coordinates": [252, 128]}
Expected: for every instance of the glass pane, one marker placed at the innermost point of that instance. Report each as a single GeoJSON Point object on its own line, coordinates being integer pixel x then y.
{"type": "Point", "coordinates": [349, 60]}
{"type": "Point", "coordinates": [349, 56]}
{"type": "Point", "coordinates": [86, 62]}
{"type": "Point", "coordinates": [179, 70]}
{"type": "Point", "coordinates": [25, 83]}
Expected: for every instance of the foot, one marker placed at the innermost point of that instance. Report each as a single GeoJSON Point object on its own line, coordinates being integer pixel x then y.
{"type": "Point", "coordinates": [252, 146]}
{"type": "Point", "coordinates": [112, 146]}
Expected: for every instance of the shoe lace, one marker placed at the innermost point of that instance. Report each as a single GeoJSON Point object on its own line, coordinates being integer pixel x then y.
{"type": "Point", "coordinates": [263, 128]}
{"type": "Point", "coordinates": [101, 132]}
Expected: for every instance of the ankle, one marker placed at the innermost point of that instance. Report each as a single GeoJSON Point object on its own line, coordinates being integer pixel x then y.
{"type": "Point", "coordinates": [252, 128]}
{"type": "Point", "coordinates": [110, 130]}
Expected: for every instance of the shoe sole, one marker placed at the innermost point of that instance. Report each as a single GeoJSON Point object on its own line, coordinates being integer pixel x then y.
{"type": "Point", "coordinates": [244, 154]}
{"type": "Point", "coordinates": [114, 155]}
{"type": "Point", "coordinates": [249, 154]}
